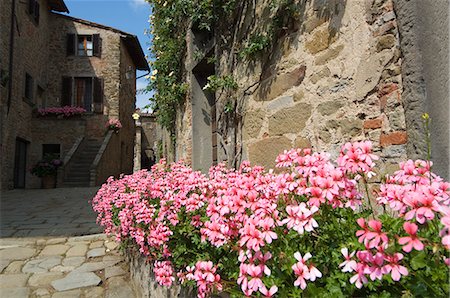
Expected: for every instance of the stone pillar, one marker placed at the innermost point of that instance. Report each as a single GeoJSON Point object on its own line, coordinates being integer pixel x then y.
{"type": "Point", "coordinates": [423, 26]}
{"type": "Point", "coordinates": [137, 146]}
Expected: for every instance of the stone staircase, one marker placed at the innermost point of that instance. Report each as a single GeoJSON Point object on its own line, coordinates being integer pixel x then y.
{"type": "Point", "coordinates": [78, 171]}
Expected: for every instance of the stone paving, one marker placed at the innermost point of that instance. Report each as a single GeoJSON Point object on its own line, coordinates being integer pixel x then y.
{"type": "Point", "coordinates": [86, 266]}
{"type": "Point", "coordinates": [50, 246]}
{"type": "Point", "coordinates": [47, 212]}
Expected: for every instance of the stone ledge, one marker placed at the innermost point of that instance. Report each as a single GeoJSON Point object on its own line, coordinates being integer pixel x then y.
{"type": "Point", "coordinates": [144, 283]}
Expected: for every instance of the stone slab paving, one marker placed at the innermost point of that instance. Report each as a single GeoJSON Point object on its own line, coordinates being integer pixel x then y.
{"type": "Point", "coordinates": [41, 267]}
{"type": "Point", "coordinates": [47, 212]}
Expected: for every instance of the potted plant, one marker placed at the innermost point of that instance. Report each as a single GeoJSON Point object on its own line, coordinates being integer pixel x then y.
{"type": "Point", "coordinates": [47, 169]}
{"type": "Point", "coordinates": [114, 124]}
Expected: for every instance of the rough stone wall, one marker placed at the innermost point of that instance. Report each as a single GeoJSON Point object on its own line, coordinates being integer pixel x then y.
{"type": "Point", "coordinates": [144, 283]}
{"type": "Point", "coordinates": [40, 50]}
{"type": "Point", "coordinates": [30, 56]}
{"type": "Point", "coordinates": [149, 139]}
{"type": "Point", "coordinates": [127, 99]}
{"type": "Point", "coordinates": [53, 131]}
{"type": "Point", "coordinates": [424, 34]}
{"type": "Point", "coordinates": [107, 66]}
{"type": "Point", "coordinates": [334, 77]}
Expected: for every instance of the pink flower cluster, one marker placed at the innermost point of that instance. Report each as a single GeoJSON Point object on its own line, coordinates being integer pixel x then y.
{"type": "Point", "coordinates": [65, 111]}
{"type": "Point", "coordinates": [114, 124]}
{"type": "Point", "coordinates": [246, 211]}
{"type": "Point", "coordinates": [418, 195]}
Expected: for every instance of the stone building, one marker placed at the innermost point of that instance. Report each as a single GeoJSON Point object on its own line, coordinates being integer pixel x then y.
{"type": "Point", "coordinates": [49, 59]}
{"type": "Point", "coordinates": [338, 71]}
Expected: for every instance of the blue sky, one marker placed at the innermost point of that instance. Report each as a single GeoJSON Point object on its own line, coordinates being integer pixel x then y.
{"type": "Point", "coordinates": [127, 15]}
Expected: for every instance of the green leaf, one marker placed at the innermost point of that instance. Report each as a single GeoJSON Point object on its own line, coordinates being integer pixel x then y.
{"type": "Point", "coordinates": [418, 261]}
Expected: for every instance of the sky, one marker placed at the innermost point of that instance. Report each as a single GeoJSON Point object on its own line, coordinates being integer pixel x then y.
{"type": "Point", "coordinates": [127, 15]}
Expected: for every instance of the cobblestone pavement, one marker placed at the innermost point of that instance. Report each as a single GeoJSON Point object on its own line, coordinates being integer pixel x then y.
{"type": "Point", "coordinates": [64, 267]}
{"type": "Point", "coordinates": [47, 212]}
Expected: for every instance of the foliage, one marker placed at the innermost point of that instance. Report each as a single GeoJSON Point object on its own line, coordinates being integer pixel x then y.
{"type": "Point", "coordinates": [220, 83]}
{"type": "Point", "coordinates": [46, 167]}
{"type": "Point", "coordinates": [304, 231]}
{"type": "Point", "coordinates": [65, 111]}
{"type": "Point", "coordinates": [255, 45]}
{"type": "Point", "coordinates": [169, 21]}
{"type": "Point", "coordinates": [114, 124]}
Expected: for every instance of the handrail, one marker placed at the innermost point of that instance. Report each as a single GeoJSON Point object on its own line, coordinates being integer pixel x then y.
{"type": "Point", "coordinates": [61, 174]}
{"type": "Point", "coordinates": [98, 157]}
{"type": "Point", "coordinates": [72, 150]}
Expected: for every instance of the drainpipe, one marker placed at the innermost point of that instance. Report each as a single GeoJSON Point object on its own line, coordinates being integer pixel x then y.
{"type": "Point", "coordinates": [11, 54]}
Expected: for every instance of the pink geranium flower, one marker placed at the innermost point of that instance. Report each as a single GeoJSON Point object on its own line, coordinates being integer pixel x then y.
{"type": "Point", "coordinates": [348, 265]}
{"type": "Point", "coordinates": [411, 241]}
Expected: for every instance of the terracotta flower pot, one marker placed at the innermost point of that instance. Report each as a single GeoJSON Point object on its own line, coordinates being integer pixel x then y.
{"type": "Point", "coordinates": [48, 181]}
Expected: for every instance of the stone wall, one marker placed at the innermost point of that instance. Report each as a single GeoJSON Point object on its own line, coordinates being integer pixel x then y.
{"type": "Point", "coordinates": [127, 99]}
{"type": "Point", "coordinates": [144, 283]}
{"type": "Point", "coordinates": [107, 66]}
{"type": "Point", "coordinates": [30, 55]}
{"type": "Point", "coordinates": [150, 131]}
{"type": "Point", "coordinates": [53, 131]}
{"type": "Point", "coordinates": [424, 34]}
{"type": "Point", "coordinates": [333, 76]}
{"type": "Point", "coordinates": [40, 50]}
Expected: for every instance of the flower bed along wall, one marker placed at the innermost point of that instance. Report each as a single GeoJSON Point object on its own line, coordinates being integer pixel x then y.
{"type": "Point", "coordinates": [310, 230]}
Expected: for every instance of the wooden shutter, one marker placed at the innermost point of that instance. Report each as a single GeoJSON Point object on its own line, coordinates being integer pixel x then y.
{"type": "Point", "coordinates": [70, 44]}
{"type": "Point", "coordinates": [98, 95]}
{"type": "Point", "coordinates": [66, 94]}
{"type": "Point", "coordinates": [31, 7]}
{"type": "Point", "coordinates": [36, 12]}
{"type": "Point", "coordinates": [96, 41]}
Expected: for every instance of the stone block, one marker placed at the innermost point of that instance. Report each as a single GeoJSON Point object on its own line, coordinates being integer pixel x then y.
{"type": "Point", "coordinates": [302, 143]}
{"type": "Point", "coordinates": [14, 267]}
{"type": "Point", "coordinates": [253, 122]}
{"type": "Point", "coordinates": [393, 138]}
{"type": "Point", "coordinates": [13, 280]}
{"type": "Point", "coordinates": [75, 280]}
{"type": "Point", "coordinates": [43, 279]}
{"type": "Point", "coordinates": [277, 84]}
{"type": "Point", "coordinates": [57, 249]}
{"type": "Point", "coordinates": [95, 292]}
{"type": "Point", "coordinates": [21, 292]}
{"type": "Point", "coordinates": [77, 250]}
{"type": "Point", "coordinates": [320, 40]}
{"type": "Point", "coordinates": [264, 152]}
{"type": "Point", "coordinates": [329, 107]}
{"type": "Point", "coordinates": [73, 261]}
{"type": "Point", "coordinates": [373, 123]}
{"type": "Point", "coordinates": [369, 72]}
{"type": "Point", "coordinates": [17, 253]}
{"type": "Point", "coordinates": [329, 55]}
{"type": "Point", "coordinates": [386, 42]}
{"type": "Point", "coordinates": [96, 252]}
{"type": "Point", "coordinates": [279, 103]}
{"type": "Point", "coordinates": [41, 264]}
{"type": "Point", "coordinates": [321, 74]}
{"type": "Point", "coordinates": [290, 120]}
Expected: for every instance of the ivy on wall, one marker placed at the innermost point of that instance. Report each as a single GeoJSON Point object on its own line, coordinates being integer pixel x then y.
{"type": "Point", "coordinates": [169, 23]}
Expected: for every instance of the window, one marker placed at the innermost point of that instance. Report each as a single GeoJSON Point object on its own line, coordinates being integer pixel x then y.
{"type": "Point", "coordinates": [28, 87]}
{"type": "Point", "coordinates": [53, 150]}
{"type": "Point", "coordinates": [86, 92]}
{"type": "Point", "coordinates": [33, 10]}
{"type": "Point", "coordinates": [83, 93]}
{"type": "Point", "coordinates": [84, 45]}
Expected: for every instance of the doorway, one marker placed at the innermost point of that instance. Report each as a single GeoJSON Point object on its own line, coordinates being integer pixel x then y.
{"type": "Point", "coordinates": [20, 163]}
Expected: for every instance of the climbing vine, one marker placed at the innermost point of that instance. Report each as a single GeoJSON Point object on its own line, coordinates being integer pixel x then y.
{"type": "Point", "coordinates": [222, 18]}
{"type": "Point", "coordinates": [168, 25]}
